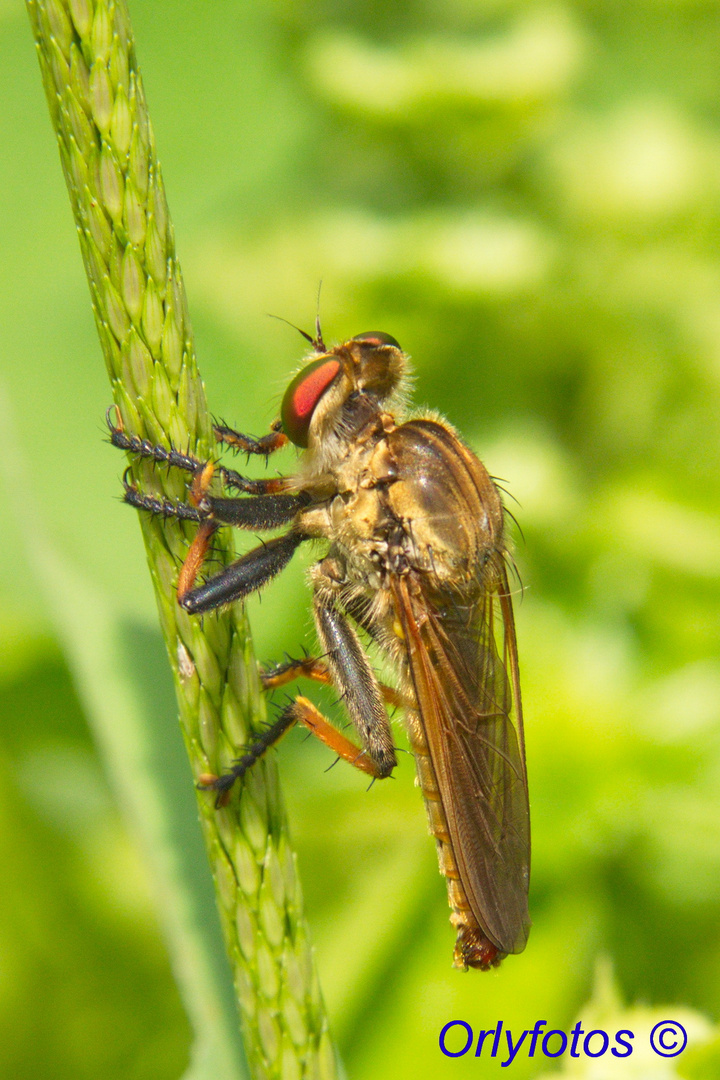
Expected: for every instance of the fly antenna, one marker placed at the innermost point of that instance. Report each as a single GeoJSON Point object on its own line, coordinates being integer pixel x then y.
{"type": "Point", "coordinates": [307, 336]}
{"type": "Point", "coordinates": [318, 342]}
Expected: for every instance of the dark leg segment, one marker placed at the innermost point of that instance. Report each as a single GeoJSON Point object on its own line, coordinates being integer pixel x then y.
{"type": "Point", "coordinates": [347, 668]}
{"type": "Point", "coordinates": [261, 512]}
{"type": "Point", "coordinates": [163, 455]}
{"type": "Point", "coordinates": [245, 576]}
{"type": "Point", "coordinates": [258, 512]}
{"type": "Point", "coordinates": [165, 507]}
{"type": "Point", "coordinates": [135, 445]}
{"type": "Point", "coordinates": [300, 711]}
{"type": "Point", "coordinates": [355, 679]}
{"type": "Point", "coordinates": [223, 784]}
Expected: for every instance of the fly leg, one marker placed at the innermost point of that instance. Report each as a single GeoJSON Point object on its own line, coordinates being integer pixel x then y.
{"type": "Point", "coordinates": [299, 711]}
{"type": "Point", "coordinates": [352, 674]}
{"type": "Point", "coordinates": [173, 458]}
{"type": "Point", "coordinates": [255, 568]}
{"type": "Point", "coordinates": [246, 575]}
{"type": "Point", "coordinates": [317, 670]}
{"type": "Point", "coordinates": [223, 784]}
{"type": "Point", "coordinates": [245, 444]}
{"type": "Point", "coordinates": [348, 669]}
{"type": "Point", "coordinates": [259, 512]}
{"type": "Point", "coordinates": [243, 577]}
{"type": "Point", "coordinates": [269, 505]}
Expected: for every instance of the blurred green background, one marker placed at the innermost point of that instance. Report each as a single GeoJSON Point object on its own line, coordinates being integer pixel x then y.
{"type": "Point", "coordinates": [526, 195]}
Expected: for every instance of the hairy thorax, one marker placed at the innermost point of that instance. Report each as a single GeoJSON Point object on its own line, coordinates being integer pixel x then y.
{"type": "Point", "coordinates": [400, 500]}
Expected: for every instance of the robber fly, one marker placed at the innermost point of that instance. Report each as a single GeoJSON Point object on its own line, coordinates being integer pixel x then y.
{"type": "Point", "coordinates": [416, 560]}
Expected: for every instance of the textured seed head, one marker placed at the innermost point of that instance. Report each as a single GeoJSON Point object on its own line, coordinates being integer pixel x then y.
{"type": "Point", "coordinates": [101, 96]}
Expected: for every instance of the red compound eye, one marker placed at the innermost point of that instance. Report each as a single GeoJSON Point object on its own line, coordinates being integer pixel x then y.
{"type": "Point", "coordinates": [302, 396]}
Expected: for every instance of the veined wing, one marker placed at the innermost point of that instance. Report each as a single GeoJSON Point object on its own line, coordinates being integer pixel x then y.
{"type": "Point", "coordinates": [463, 664]}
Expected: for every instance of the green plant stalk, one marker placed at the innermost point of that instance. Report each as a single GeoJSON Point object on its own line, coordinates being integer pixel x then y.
{"type": "Point", "coordinates": [107, 150]}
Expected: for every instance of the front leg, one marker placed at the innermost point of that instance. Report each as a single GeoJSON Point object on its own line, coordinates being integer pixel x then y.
{"type": "Point", "coordinates": [259, 512]}
{"type": "Point", "coordinates": [245, 444]}
{"type": "Point", "coordinates": [241, 578]}
{"type": "Point", "coordinates": [176, 459]}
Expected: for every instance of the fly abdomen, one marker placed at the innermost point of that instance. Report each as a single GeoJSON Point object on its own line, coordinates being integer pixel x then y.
{"type": "Point", "coordinates": [472, 948]}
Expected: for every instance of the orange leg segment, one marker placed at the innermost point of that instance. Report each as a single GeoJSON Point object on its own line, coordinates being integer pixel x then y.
{"type": "Point", "coordinates": [317, 670]}
{"type": "Point", "coordinates": [195, 557]}
{"type": "Point", "coordinates": [300, 711]}
{"type": "Point", "coordinates": [306, 713]}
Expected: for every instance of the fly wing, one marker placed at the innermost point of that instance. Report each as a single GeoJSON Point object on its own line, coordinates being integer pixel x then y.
{"type": "Point", "coordinates": [463, 664]}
